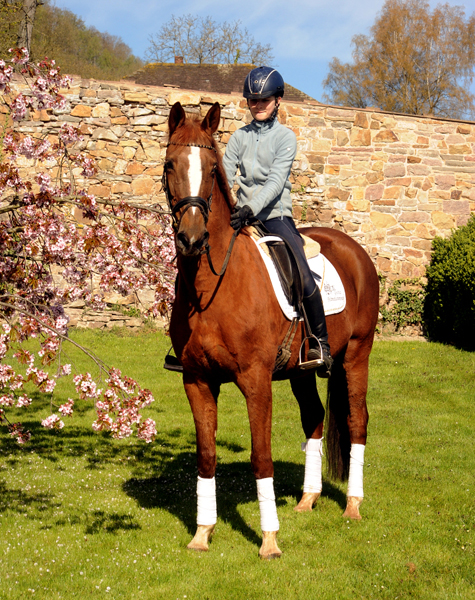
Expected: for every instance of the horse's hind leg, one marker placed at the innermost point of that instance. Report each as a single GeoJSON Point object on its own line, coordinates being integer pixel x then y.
{"type": "Point", "coordinates": [312, 415]}
{"type": "Point", "coordinates": [203, 401]}
{"type": "Point", "coordinates": [356, 366]}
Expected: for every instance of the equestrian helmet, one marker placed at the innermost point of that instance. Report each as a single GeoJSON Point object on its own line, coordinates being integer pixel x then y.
{"type": "Point", "coordinates": [263, 82]}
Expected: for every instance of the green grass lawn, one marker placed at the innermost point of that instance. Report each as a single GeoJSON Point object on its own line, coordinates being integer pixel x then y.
{"type": "Point", "coordinates": [85, 516]}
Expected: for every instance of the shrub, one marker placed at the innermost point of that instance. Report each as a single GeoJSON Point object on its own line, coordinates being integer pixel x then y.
{"type": "Point", "coordinates": [405, 303]}
{"type": "Point", "coordinates": [450, 301]}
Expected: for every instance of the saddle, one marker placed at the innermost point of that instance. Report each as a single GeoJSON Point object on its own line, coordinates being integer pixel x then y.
{"type": "Point", "coordinates": [287, 266]}
{"type": "Point", "coordinates": [291, 280]}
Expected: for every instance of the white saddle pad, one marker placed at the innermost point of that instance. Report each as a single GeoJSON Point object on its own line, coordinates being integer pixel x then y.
{"type": "Point", "coordinates": [326, 277]}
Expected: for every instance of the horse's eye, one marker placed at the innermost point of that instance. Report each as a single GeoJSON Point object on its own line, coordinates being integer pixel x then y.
{"type": "Point", "coordinates": [168, 166]}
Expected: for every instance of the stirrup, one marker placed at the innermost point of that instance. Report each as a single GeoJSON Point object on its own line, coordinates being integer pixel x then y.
{"type": "Point", "coordinates": [310, 364]}
{"type": "Point", "coordinates": [172, 363]}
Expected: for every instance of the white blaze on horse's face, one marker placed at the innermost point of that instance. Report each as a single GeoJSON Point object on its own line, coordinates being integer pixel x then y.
{"type": "Point", "coordinates": [194, 174]}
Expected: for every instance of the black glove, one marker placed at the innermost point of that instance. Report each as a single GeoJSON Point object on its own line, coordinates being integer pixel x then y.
{"type": "Point", "coordinates": [241, 217]}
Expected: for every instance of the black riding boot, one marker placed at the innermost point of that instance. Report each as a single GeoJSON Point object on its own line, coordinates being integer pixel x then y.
{"type": "Point", "coordinates": [316, 320]}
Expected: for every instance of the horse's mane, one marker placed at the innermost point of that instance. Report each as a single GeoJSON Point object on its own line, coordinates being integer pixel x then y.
{"type": "Point", "coordinates": [191, 131]}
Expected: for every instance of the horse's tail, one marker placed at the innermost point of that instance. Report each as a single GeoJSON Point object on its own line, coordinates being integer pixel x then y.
{"type": "Point", "coordinates": [337, 430]}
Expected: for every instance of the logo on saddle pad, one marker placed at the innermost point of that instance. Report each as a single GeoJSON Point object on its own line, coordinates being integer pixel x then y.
{"type": "Point", "coordinates": [326, 277]}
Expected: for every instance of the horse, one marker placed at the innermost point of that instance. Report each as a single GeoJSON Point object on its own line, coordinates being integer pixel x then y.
{"type": "Point", "coordinates": [226, 326]}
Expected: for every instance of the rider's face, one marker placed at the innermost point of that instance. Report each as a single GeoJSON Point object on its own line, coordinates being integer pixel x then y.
{"type": "Point", "coordinates": [264, 108]}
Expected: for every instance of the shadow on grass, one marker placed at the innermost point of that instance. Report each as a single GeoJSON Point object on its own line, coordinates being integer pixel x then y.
{"type": "Point", "coordinates": [175, 491]}
{"type": "Point", "coordinates": [163, 475]}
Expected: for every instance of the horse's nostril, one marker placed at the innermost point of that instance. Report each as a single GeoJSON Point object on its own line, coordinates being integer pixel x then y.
{"type": "Point", "coordinates": [183, 239]}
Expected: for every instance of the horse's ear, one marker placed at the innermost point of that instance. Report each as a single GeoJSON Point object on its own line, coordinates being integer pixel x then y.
{"type": "Point", "coordinates": [176, 118]}
{"type": "Point", "coordinates": [211, 122]}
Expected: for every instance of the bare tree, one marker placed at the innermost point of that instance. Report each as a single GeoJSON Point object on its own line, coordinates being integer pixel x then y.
{"type": "Point", "coordinates": [415, 61]}
{"type": "Point", "coordinates": [203, 40]}
{"type": "Point", "coordinates": [27, 18]}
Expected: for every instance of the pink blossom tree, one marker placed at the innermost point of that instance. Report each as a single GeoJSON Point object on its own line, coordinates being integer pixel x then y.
{"type": "Point", "coordinates": [124, 247]}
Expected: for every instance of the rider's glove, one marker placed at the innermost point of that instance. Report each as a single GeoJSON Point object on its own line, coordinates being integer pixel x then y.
{"type": "Point", "coordinates": [241, 217]}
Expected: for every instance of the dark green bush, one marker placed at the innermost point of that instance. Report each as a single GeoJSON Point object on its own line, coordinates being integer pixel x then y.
{"type": "Point", "coordinates": [405, 303]}
{"type": "Point", "coordinates": [449, 309]}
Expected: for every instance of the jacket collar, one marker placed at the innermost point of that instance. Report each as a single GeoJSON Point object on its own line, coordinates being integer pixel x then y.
{"type": "Point", "coordinates": [264, 126]}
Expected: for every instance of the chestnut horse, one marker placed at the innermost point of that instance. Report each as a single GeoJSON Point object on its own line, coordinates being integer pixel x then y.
{"type": "Point", "coordinates": [227, 326]}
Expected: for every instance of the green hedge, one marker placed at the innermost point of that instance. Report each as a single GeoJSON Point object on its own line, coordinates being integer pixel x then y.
{"type": "Point", "coordinates": [449, 309]}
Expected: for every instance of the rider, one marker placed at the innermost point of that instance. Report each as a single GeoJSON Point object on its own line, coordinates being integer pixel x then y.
{"type": "Point", "coordinates": [264, 152]}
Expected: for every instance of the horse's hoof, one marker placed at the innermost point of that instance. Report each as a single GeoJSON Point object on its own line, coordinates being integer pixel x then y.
{"type": "Point", "coordinates": [271, 556]}
{"type": "Point", "coordinates": [269, 548]}
{"type": "Point", "coordinates": [307, 501]}
{"type": "Point", "coordinates": [353, 508]}
{"type": "Point", "coordinates": [202, 536]}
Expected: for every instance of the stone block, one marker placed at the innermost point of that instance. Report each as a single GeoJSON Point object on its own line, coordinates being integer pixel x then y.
{"type": "Point", "coordinates": [393, 192]}
{"type": "Point", "coordinates": [139, 97]}
{"type": "Point", "coordinates": [460, 149]}
{"type": "Point", "coordinates": [101, 191]}
{"type": "Point", "coordinates": [374, 192]}
{"type": "Point", "coordinates": [104, 134]}
{"type": "Point", "coordinates": [143, 186]}
{"type": "Point", "coordinates": [456, 207]}
{"type": "Point", "coordinates": [120, 187]}
{"type": "Point", "coordinates": [385, 136]}
{"type": "Point", "coordinates": [395, 170]}
{"type": "Point", "coordinates": [442, 220]}
{"type": "Point", "coordinates": [81, 110]}
{"type": "Point", "coordinates": [337, 193]}
{"type": "Point", "coordinates": [360, 137]}
{"type": "Point", "coordinates": [414, 217]}
{"type": "Point", "coordinates": [418, 170]}
{"type": "Point", "coordinates": [361, 120]}
{"type": "Point", "coordinates": [382, 220]}
{"type": "Point", "coordinates": [101, 110]}
{"type": "Point", "coordinates": [135, 168]}
{"type": "Point", "coordinates": [425, 231]}
{"type": "Point", "coordinates": [445, 182]}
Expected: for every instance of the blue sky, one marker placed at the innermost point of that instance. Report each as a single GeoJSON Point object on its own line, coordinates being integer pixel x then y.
{"type": "Point", "coordinates": [304, 34]}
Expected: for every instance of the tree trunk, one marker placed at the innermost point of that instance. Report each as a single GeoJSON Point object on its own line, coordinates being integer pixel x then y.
{"type": "Point", "coordinates": [25, 29]}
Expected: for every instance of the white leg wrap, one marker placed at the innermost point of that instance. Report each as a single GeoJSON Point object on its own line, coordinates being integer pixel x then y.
{"type": "Point", "coordinates": [206, 492]}
{"type": "Point", "coordinates": [355, 479]}
{"type": "Point", "coordinates": [313, 465]}
{"type": "Point", "coordinates": [267, 506]}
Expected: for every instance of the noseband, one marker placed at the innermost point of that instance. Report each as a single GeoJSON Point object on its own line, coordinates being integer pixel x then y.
{"type": "Point", "coordinates": [190, 201]}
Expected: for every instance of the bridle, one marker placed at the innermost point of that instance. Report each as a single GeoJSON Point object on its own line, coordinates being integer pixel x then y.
{"type": "Point", "coordinates": [195, 201]}
{"type": "Point", "coordinates": [190, 201]}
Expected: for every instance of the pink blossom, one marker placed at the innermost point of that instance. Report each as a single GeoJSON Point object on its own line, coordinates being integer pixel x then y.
{"type": "Point", "coordinates": [23, 401]}
{"type": "Point", "coordinates": [114, 249]}
{"type": "Point", "coordinates": [147, 431]}
{"type": "Point", "coordinates": [52, 422]}
{"type": "Point", "coordinates": [67, 408]}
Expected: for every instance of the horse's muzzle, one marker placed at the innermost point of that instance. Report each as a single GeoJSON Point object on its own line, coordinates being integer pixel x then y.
{"type": "Point", "coordinates": [187, 244]}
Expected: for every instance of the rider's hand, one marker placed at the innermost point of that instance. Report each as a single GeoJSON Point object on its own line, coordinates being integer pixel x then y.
{"type": "Point", "coordinates": [241, 217]}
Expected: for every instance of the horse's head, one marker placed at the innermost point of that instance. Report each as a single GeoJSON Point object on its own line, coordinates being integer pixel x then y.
{"type": "Point", "coordinates": [189, 176]}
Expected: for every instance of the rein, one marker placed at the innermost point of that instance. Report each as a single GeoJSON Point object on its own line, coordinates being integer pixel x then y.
{"type": "Point", "coordinates": [203, 205]}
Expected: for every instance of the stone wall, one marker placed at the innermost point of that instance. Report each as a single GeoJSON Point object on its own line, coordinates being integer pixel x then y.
{"type": "Point", "coordinates": [391, 181]}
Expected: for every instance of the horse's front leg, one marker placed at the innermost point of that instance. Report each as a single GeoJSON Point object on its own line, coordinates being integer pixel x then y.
{"type": "Point", "coordinates": [312, 415]}
{"type": "Point", "coordinates": [203, 401]}
{"type": "Point", "coordinates": [257, 389]}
